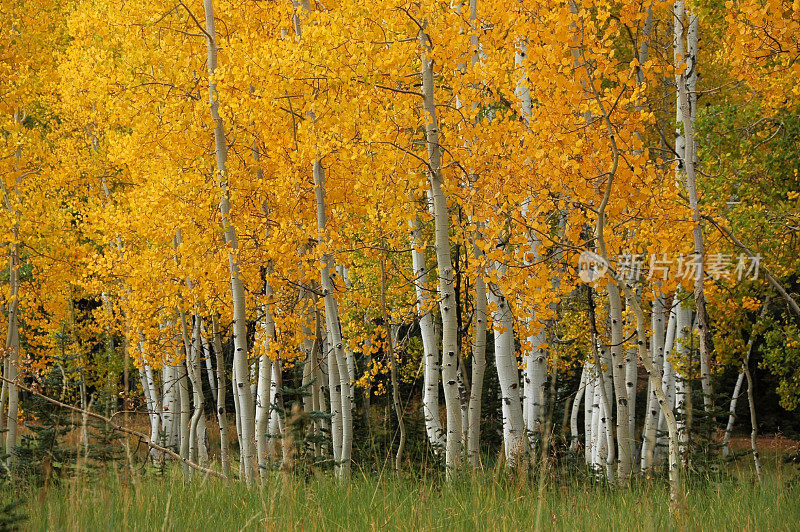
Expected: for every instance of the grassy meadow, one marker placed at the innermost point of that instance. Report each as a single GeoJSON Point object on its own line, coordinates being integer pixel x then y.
{"type": "Point", "coordinates": [161, 500]}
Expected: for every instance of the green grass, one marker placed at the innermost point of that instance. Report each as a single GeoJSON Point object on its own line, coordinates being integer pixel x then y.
{"type": "Point", "coordinates": [488, 501]}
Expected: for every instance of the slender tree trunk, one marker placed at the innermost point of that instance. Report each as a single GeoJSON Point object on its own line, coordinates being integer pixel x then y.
{"type": "Point", "coordinates": [573, 418]}
{"type": "Point", "coordinates": [152, 408]}
{"type": "Point", "coordinates": [264, 395]}
{"type": "Point", "coordinates": [322, 373]}
{"type": "Point", "coordinates": [750, 399]}
{"type": "Point", "coordinates": [12, 348]}
{"type": "Point", "coordinates": [446, 293]}
{"type": "Point", "coordinates": [339, 373]}
{"type": "Point", "coordinates": [310, 384]}
{"type": "Point", "coordinates": [726, 440]}
{"type": "Point", "coordinates": [478, 365]}
{"type": "Point", "coordinates": [631, 383]}
{"type": "Point", "coordinates": [198, 451]}
{"type": "Point", "coordinates": [185, 419]}
{"type": "Point", "coordinates": [275, 426]}
{"type": "Point", "coordinates": [153, 402]}
{"type": "Point", "coordinates": [338, 359]}
{"type": "Point", "coordinates": [390, 343]}
{"type": "Point", "coordinates": [430, 361]}
{"type": "Point", "coordinates": [263, 407]}
{"type": "Point", "coordinates": [335, 400]}
{"type": "Point", "coordinates": [237, 412]}
{"type": "Point", "coordinates": [247, 441]}
{"type": "Point", "coordinates": [349, 355]}
{"type": "Point", "coordinates": [212, 381]}
{"type": "Point", "coordinates": [309, 346]}
{"type": "Point", "coordinates": [676, 489]}
{"type": "Point", "coordinates": [535, 374]}
{"type": "Point", "coordinates": [618, 372]}
{"type": "Point", "coordinates": [668, 372]}
{"type": "Point", "coordinates": [686, 29]}
{"type": "Point", "coordinates": [473, 435]}
{"type": "Point", "coordinates": [170, 411]}
{"type": "Point", "coordinates": [603, 451]}
{"type": "Point", "coordinates": [508, 376]}
{"type": "Point", "coordinates": [682, 387]}
{"type": "Point", "coordinates": [657, 338]}
{"type": "Point", "coordinates": [588, 410]}
{"type": "Point", "coordinates": [222, 415]}
{"type": "Point", "coordinates": [4, 398]}
{"type": "Point", "coordinates": [753, 422]}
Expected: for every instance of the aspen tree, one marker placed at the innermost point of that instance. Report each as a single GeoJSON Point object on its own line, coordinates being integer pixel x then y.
{"type": "Point", "coordinates": [657, 353]}
{"type": "Point", "coordinates": [245, 398]}
{"type": "Point", "coordinates": [685, 45]}
{"type": "Point", "coordinates": [446, 291]}
{"type": "Point", "coordinates": [507, 374]}
{"type": "Point", "coordinates": [266, 381]}
{"type": "Point", "coordinates": [339, 375]}
{"type": "Point", "coordinates": [618, 372]}
{"type": "Point", "coordinates": [575, 410]}
{"type": "Point", "coordinates": [12, 347]}
{"type": "Point", "coordinates": [430, 360]}
{"type": "Point", "coordinates": [212, 380]}
{"type": "Point", "coordinates": [478, 363]}
{"type": "Point", "coordinates": [340, 378]}
{"type": "Point", "coordinates": [676, 493]}
{"type": "Point", "coordinates": [222, 415]}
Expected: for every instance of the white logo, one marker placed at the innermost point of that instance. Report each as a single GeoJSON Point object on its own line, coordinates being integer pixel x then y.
{"type": "Point", "coordinates": [591, 267]}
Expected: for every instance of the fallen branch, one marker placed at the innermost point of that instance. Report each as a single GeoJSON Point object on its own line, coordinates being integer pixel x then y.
{"type": "Point", "coordinates": [119, 428]}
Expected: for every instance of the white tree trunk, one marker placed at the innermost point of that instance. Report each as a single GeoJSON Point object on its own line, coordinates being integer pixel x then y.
{"type": "Point", "coordinates": [589, 403]}
{"type": "Point", "coordinates": [264, 393]}
{"type": "Point", "coordinates": [263, 407]}
{"type": "Point", "coordinates": [676, 489]}
{"type": "Point", "coordinates": [657, 338]}
{"type": "Point", "coordinates": [535, 384]}
{"type": "Point", "coordinates": [685, 45]}
{"type": "Point", "coordinates": [338, 359]}
{"type": "Point", "coordinates": [618, 372]}
{"type": "Point", "coordinates": [606, 447]}
{"type": "Point", "coordinates": [153, 404]}
{"type": "Point", "coordinates": [222, 416]}
{"type": "Point", "coordinates": [349, 355]}
{"type": "Point", "coordinates": [573, 417]}
{"type": "Point", "coordinates": [245, 402]}
{"type": "Point", "coordinates": [478, 365]}
{"type": "Point", "coordinates": [682, 387]}
{"type": "Point", "coordinates": [197, 429]}
{"type": "Point", "coordinates": [12, 349]}
{"type": "Point", "coordinates": [212, 381]}
{"type": "Point", "coordinates": [508, 376]}
{"type": "Point", "coordinates": [668, 383]}
{"type": "Point", "coordinates": [737, 390]}
{"type": "Point", "coordinates": [170, 416]}
{"type": "Point", "coordinates": [275, 428]}
{"type": "Point", "coordinates": [430, 347]}
{"type": "Point", "coordinates": [335, 395]}
{"type": "Point", "coordinates": [631, 383]}
{"type": "Point", "coordinates": [185, 418]}
{"type": "Point", "coordinates": [753, 421]}
{"type": "Point", "coordinates": [446, 292]}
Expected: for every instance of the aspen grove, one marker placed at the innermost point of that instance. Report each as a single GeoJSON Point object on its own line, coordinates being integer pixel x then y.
{"type": "Point", "coordinates": [252, 236]}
